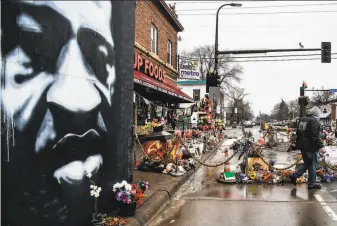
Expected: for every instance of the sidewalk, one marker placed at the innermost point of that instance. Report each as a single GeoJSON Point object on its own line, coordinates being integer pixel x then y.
{"type": "Point", "coordinates": [162, 187]}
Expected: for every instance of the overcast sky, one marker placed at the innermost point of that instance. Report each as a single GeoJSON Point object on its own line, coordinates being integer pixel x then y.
{"type": "Point", "coordinates": [242, 28]}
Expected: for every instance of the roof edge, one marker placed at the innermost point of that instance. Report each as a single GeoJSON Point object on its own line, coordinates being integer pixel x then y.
{"type": "Point", "coordinates": [172, 15]}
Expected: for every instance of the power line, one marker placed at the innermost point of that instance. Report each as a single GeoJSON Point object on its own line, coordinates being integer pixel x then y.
{"type": "Point", "coordinates": [304, 59]}
{"type": "Point", "coordinates": [253, 13]}
{"type": "Point", "coordinates": [258, 7]}
{"type": "Point", "coordinates": [267, 27]}
{"type": "Point", "coordinates": [267, 32]}
{"type": "Point", "coordinates": [244, 57]}
{"type": "Point", "coordinates": [253, 26]}
{"type": "Point", "coordinates": [290, 55]}
{"type": "Point", "coordinates": [183, 2]}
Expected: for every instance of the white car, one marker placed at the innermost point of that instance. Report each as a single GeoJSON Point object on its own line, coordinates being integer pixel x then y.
{"type": "Point", "coordinates": [248, 124]}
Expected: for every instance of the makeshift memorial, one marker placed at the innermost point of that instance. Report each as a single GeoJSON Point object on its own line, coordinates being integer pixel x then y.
{"type": "Point", "coordinates": [128, 197]}
{"type": "Point", "coordinates": [264, 171]}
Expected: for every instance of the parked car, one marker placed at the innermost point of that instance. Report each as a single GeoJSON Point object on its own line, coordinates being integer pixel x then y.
{"type": "Point", "coordinates": [248, 124]}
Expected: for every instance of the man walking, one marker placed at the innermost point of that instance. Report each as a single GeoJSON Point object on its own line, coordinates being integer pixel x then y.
{"type": "Point", "coordinates": [308, 141]}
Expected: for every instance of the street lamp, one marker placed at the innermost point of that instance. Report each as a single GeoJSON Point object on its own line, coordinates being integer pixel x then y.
{"type": "Point", "coordinates": [216, 34]}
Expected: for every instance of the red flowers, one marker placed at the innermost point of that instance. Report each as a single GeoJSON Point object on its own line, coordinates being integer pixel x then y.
{"type": "Point", "coordinates": [139, 195]}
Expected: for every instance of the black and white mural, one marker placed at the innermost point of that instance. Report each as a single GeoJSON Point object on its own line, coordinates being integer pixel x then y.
{"type": "Point", "coordinates": [66, 107]}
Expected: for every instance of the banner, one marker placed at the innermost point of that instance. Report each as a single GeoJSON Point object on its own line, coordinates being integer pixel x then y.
{"type": "Point", "coordinates": [189, 69]}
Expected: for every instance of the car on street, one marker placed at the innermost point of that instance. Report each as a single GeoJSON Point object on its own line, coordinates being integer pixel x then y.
{"type": "Point", "coordinates": [248, 124]}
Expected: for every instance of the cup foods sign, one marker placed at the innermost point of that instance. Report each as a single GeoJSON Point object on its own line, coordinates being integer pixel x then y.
{"type": "Point", "coordinates": [189, 69]}
{"type": "Point", "coordinates": [149, 68]}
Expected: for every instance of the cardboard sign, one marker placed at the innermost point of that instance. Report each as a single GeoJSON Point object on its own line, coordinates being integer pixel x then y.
{"type": "Point", "coordinates": [229, 175]}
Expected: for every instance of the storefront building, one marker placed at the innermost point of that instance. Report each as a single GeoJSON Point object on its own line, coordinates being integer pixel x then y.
{"type": "Point", "coordinates": [197, 90]}
{"type": "Point", "coordinates": [155, 58]}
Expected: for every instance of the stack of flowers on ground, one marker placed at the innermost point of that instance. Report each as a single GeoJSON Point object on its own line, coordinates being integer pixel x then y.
{"type": "Point", "coordinates": [130, 193]}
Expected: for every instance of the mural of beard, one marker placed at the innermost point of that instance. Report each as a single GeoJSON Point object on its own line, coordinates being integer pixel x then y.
{"type": "Point", "coordinates": [61, 71]}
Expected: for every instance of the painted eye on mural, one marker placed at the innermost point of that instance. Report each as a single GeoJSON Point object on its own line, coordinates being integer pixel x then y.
{"type": "Point", "coordinates": [40, 38]}
{"type": "Point", "coordinates": [97, 52]}
{"type": "Point", "coordinates": [28, 23]}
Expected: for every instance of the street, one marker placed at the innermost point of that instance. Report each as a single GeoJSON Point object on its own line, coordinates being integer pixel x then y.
{"type": "Point", "coordinates": [204, 201]}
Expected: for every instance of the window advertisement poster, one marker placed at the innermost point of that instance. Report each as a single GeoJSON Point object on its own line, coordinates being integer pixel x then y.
{"type": "Point", "coordinates": [189, 69]}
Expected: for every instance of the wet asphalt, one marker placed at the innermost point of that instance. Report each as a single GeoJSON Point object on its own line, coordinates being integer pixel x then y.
{"type": "Point", "coordinates": [203, 201]}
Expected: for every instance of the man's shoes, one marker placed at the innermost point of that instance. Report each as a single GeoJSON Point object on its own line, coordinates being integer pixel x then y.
{"type": "Point", "coordinates": [315, 186]}
{"type": "Point", "coordinates": [293, 179]}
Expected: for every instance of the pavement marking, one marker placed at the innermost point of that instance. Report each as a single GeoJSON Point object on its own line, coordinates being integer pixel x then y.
{"type": "Point", "coordinates": [327, 208]}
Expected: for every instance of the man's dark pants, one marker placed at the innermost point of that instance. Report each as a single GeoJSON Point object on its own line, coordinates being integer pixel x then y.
{"type": "Point", "coordinates": [310, 163]}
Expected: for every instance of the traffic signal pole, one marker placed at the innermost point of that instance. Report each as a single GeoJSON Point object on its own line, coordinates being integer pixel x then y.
{"type": "Point", "coordinates": [302, 101]}
{"type": "Point", "coordinates": [216, 54]}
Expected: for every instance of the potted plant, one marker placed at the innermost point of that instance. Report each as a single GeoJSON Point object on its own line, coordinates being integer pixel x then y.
{"type": "Point", "coordinates": [128, 197]}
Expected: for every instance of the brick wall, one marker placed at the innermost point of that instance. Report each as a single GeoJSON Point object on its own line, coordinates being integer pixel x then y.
{"type": "Point", "coordinates": [147, 13]}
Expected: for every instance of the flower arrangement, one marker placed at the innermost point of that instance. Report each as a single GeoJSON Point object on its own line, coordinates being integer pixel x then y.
{"type": "Point", "coordinates": [95, 190]}
{"type": "Point", "coordinates": [108, 220]}
{"type": "Point", "coordinates": [114, 221]}
{"type": "Point", "coordinates": [155, 123]}
{"type": "Point", "coordinates": [144, 130]}
{"type": "Point", "coordinates": [130, 193]}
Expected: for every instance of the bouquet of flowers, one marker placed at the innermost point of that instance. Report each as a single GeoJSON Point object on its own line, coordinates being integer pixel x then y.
{"type": "Point", "coordinates": [130, 193]}
{"type": "Point", "coordinates": [155, 123]}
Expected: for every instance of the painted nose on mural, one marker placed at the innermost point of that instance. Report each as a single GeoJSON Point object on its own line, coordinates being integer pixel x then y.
{"type": "Point", "coordinates": [73, 88]}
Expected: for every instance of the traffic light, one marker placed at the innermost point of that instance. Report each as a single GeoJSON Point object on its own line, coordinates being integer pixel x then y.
{"type": "Point", "coordinates": [303, 87]}
{"type": "Point", "coordinates": [212, 81]}
{"type": "Point", "coordinates": [326, 52]}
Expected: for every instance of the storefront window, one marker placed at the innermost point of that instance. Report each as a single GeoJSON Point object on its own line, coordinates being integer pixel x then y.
{"type": "Point", "coordinates": [154, 39]}
{"type": "Point", "coordinates": [169, 52]}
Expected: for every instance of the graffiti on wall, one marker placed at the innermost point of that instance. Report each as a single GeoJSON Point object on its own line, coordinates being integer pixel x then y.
{"type": "Point", "coordinates": [57, 85]}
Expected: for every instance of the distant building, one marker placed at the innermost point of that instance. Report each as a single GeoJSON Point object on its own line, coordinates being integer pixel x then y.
{"type": "Point", "coordinates": [328, 115]}
{"type": "Point", "coordinates": [197, 90]}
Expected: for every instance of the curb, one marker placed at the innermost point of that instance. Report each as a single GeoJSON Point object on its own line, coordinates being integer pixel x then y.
{"type": "Point", "coordinates": [145, 212]}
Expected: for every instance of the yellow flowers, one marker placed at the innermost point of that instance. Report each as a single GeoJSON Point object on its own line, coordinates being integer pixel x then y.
{"type": "Point", "coordinates": [252, 175]}
{"type": "Point", "coordinates": [155, 123]}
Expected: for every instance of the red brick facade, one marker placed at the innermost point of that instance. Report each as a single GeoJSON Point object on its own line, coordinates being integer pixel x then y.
{"type": "Point", "coordinates": [154, 12]}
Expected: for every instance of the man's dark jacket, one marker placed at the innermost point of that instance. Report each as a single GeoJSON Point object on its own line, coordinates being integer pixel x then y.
{"type": "Point", "coordinates": [308, 134]}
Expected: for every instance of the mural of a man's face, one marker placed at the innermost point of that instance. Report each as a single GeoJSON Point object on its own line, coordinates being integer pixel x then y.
{"type": "Point", "coordinates": [57, 71]}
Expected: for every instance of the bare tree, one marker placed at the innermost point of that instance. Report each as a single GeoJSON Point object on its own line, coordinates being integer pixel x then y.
{"type": "Point", "coordinates": [229, 71]}
{"type": "Point", "coordinates": [323, 97]}
{"type": "Point", "coordinates": [281, 111]}
{"type": "Point", "coordinates": [294, 109]}
{"type": "Point", "coordinates": [236, 100]}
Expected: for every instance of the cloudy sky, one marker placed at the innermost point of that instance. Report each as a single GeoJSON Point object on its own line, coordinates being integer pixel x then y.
{"type": "Point", "coordinates": [266, 24]}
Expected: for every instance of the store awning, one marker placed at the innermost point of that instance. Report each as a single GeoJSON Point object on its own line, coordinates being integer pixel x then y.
{"type": "Point", "coordinates": [144, 80]}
